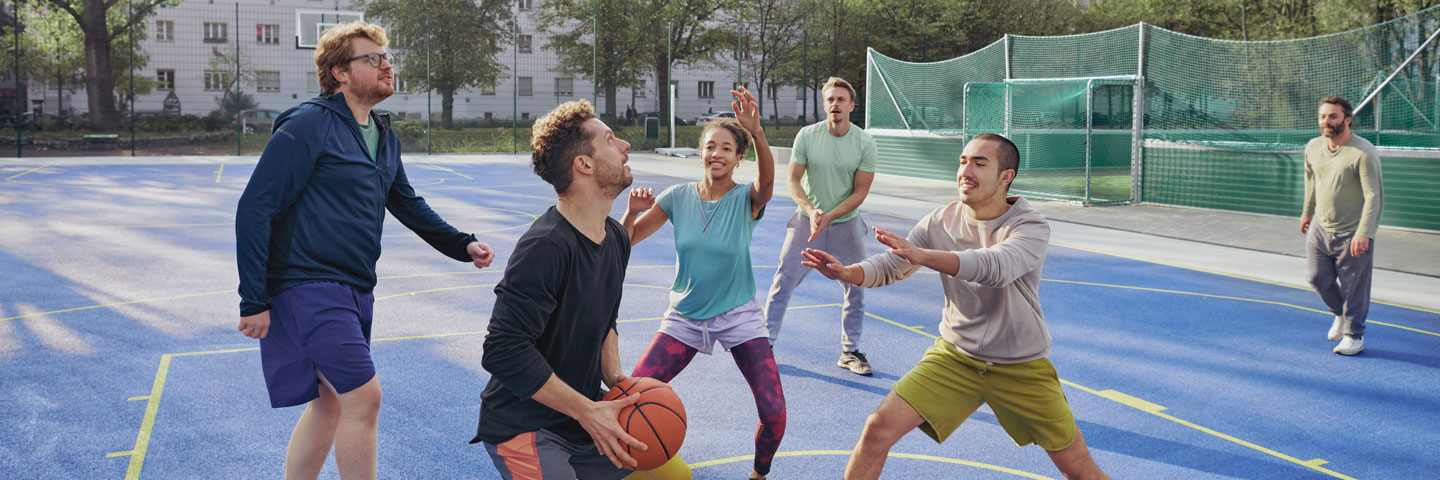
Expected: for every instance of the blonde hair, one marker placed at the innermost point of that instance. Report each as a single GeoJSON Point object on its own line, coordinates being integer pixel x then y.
{"type": "Point", "coordinates": [839, 82]}
{"type": "Point", "coordinates": [556, 139]}
{"type": "Point", "coordinates": [335, 50]}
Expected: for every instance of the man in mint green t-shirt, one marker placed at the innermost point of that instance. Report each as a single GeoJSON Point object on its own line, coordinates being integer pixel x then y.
{"type": "Point", "coordinates": [1340, 215]}
{"type": "Point", "coordinates": [832, 164]}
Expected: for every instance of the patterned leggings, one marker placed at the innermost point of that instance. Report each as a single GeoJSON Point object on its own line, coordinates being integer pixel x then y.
{"type": "Point", "coordinates": [666, 357]}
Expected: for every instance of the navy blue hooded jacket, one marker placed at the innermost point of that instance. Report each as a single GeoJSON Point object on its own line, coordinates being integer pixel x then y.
{"type": "Point", "coordinates": [314, 207]}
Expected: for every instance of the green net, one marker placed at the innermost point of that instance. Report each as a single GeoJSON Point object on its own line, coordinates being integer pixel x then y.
{"type": "Point", "coordinates": [1220, 123]}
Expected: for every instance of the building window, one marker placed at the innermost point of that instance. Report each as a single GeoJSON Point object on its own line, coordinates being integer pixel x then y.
{"type": "Point", "coordinates": [526, 4]}
{"type": "Point", "coordinates": [526, 86]}
{"type": "Point", "coordinates": [524, 44]}
{"type": "Point", "coordinates": [267, 81]}
{"type": "Point", "coordinates": [166, 79]}
{"type": "Point", "coordinates": [164, 31]}
{"type": "Point", "coordinates": [524, 115]}
{"type": "Point", "coordinates": [312, 83]}
{"type": "Point", "coordinates": [564, 87]}
{"type": "Point", "coordinates": [489, 116]}
{"type": "Point", "coordinates": [216, 32]}
{"type": "Point", "coordinates": [638, 90]}
{"type": "Point", "coordinates": [267, 34]}
{"type": "Point", "coordinates": [216, 80]}
{"type": "Point", "coordinates": [707, 89]}
{"type": "Point", "coordinates": [402, 85]}
{"type": "Point", "coordinates": [487, 89]}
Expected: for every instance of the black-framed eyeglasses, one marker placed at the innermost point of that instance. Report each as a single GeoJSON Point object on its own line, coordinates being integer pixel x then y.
{"type": "Point", "coordinates": [375, 58]}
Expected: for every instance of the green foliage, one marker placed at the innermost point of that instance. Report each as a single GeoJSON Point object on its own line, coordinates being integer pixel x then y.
{"type": "Point", "coordinates": [460, 39]}
{"type": "Point", "coordinates": [409, 130]}
{"type": "Point", "coordinates": [236, 101]}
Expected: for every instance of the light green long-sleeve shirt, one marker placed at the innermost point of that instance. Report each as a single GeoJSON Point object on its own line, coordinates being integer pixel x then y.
{"type": "Point", "coordinates": [1342, 187]}
{"type": "Point", "coordinates": [992, 303]}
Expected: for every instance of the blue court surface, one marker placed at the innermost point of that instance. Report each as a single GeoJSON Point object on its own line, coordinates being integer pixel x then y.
{"type": "Point", "coordinates": [120, 359]}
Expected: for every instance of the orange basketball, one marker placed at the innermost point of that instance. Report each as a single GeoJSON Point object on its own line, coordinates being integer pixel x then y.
{"type": "Point", "coordinates": [657, 420]}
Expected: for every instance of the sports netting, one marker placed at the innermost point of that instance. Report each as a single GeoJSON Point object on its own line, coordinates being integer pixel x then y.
{"type": "Point", "coordinates": [1144, 114]}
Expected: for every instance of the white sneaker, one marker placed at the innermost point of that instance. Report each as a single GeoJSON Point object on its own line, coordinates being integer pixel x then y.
{"type": "Point", "coordinates": [1337, 329]}
{"type": "Point", "coordinates": [1350, 345]}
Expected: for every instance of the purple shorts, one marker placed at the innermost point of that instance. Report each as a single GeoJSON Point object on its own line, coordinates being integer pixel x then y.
{"type": "Point", "coordinates": [320, 325]}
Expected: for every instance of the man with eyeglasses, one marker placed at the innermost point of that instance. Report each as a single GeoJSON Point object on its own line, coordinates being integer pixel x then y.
{"type": "Point", "coordinates": [307, 237]}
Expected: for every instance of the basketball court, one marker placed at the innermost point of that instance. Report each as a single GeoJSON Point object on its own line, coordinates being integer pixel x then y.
{"type": "Point", "coordinates": [121, 359]}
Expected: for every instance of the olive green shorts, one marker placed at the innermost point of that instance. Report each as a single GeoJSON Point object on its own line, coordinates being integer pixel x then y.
{"type": "Point", "coordinates": [947, 386]}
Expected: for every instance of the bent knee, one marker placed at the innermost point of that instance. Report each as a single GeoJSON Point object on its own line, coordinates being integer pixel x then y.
{"type": "Point", "coordinates": [364, 400]}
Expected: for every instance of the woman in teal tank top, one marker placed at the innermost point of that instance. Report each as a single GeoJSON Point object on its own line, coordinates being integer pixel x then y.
{"type": "Point", "coordinates": [713, 297]}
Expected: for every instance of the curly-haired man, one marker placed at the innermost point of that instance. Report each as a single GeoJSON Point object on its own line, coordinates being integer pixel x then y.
{"type": "Point", "coordinates": [552, 337]}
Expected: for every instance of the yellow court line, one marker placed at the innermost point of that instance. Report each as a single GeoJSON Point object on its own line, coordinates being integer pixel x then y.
{"type": "Point", "coordinates": [220, 171]}
{"type": "Point", "coordinates": [467, 177]}
{"type": "Point", "coordinates": [912, 456]}
{"type": "Point", "coordinates": [1231, 275]}
{"type": "Point", "coordinates": [1243, 299]}
{"type": "Point", "coordinates": [1154, 409]}
{"type": "Point", "coordinates": [18, 175]}
{"type": "Point", "coordinates": [116, 304]}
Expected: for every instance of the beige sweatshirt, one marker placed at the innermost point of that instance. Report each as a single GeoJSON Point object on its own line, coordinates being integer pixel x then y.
{"type": "Point", "coordinates": [992, 304]}
{"type": "Point", "coordinates": [1342, 187]}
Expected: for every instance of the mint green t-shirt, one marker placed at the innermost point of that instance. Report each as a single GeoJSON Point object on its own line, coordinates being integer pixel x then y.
{"type": "Point", "coordinates": [830, 164]}
{"type": "Point", "coordinates": [713, 274]}
{"type": "Point", "coordinates": [372, 138]}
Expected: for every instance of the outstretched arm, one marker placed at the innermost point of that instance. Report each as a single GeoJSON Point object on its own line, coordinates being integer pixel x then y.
{"type": "Point", "coordinates": [831, 268]}
{"type": "Point", "coordinates": [747, 112]}
{"type": "Point", "coordinates": [642, 200]}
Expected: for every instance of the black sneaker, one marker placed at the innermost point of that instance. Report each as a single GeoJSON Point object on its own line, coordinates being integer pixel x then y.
{"type": "Point", "coordinates": [856, 362]}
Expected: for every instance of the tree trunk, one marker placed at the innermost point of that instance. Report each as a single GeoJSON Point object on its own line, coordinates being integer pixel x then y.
{"type": "Point", "coordinates": [99, 75]}
{"type": "Point", "coordinates": [447, 104]}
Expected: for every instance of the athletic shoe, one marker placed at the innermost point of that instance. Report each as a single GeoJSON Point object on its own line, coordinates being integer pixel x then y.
{"type": "Point", "coordinates": [855, 361]}
{"type": "Point", "coordinates": [1337, 329]}
{"type": "Point", "coordinates": [1350, 345]}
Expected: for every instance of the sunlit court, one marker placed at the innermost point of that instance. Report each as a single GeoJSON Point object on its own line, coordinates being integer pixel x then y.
{"type": "Point", "coordinates": [121, 357]}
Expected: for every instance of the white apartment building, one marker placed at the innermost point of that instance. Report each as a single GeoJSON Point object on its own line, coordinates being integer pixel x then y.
{"type": "Point", "coordinates": [191, 47]}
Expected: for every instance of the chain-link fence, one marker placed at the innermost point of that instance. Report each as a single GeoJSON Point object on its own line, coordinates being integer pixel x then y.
{"type": "Point", "coordinates": [209, 77]}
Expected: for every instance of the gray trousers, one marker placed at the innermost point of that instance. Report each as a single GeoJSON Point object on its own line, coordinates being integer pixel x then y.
{"type": "Point", "coordinates": [846, 241]}
{"type": "Point", "coordinates": [1341, 279]}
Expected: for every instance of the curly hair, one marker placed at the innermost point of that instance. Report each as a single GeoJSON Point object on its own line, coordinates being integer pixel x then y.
{"type": "Point", "coordinates": [742, 136]}
{"type": "Point", "coordinates": [335, 50]}
{"type": "Point", "coordinates": [556, 139]}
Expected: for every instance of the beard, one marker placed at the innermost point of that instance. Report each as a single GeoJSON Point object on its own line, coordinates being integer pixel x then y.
{"type": "Point", "coordinates": [1333, 130]}
{"type": "Point", "coordinates": [612, 181]}
{"type": "Point", "coordinates": [373, 92]}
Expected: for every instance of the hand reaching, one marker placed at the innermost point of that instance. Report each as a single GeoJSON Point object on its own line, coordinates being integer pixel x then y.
{"type": "Point", "coordinates": [747, 111]}
{"type": "Point", "coordinates": [822, 262]}
{"type": "Point", "coordinates": [899, 246]}
{"type": "Point", "coordinates": [641, 199]}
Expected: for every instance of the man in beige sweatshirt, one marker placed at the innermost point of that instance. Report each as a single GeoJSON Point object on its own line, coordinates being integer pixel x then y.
{"type": "Point", "coordinates": [988, 249]}
{"type": "Point", "coordinates": [1341, 213]}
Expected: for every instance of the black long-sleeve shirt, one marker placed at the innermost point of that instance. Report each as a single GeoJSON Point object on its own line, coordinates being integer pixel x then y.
{"type": "Point", "coordinates": [553, 309]}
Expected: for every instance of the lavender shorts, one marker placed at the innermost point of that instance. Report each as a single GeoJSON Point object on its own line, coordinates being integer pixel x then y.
{"type": "Point", "coordinates": [320, 325]}
{"type": "Point", "coordinates": [739, 325]}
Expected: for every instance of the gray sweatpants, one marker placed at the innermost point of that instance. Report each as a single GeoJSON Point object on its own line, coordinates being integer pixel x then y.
{"type": "Point", "coordinates": [1330, 261]}
{"type": "Point", "coordinates": [846, 241]}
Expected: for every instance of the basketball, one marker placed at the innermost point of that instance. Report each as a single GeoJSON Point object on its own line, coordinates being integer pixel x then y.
{"type": "Point", "coordinates": [657, 420]}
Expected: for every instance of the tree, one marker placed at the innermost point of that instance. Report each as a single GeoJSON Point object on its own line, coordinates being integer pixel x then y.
{"type": "Point", "coordinates": [573, 26]}
{"type": "Point", "coordinates": [635, 38]}
{"type": "Point", "coordinates": [463, 37]}
{"type": "Point", "coordinates": [94, 20]}
{"type": "Point", "coordinates": [772, 29]}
